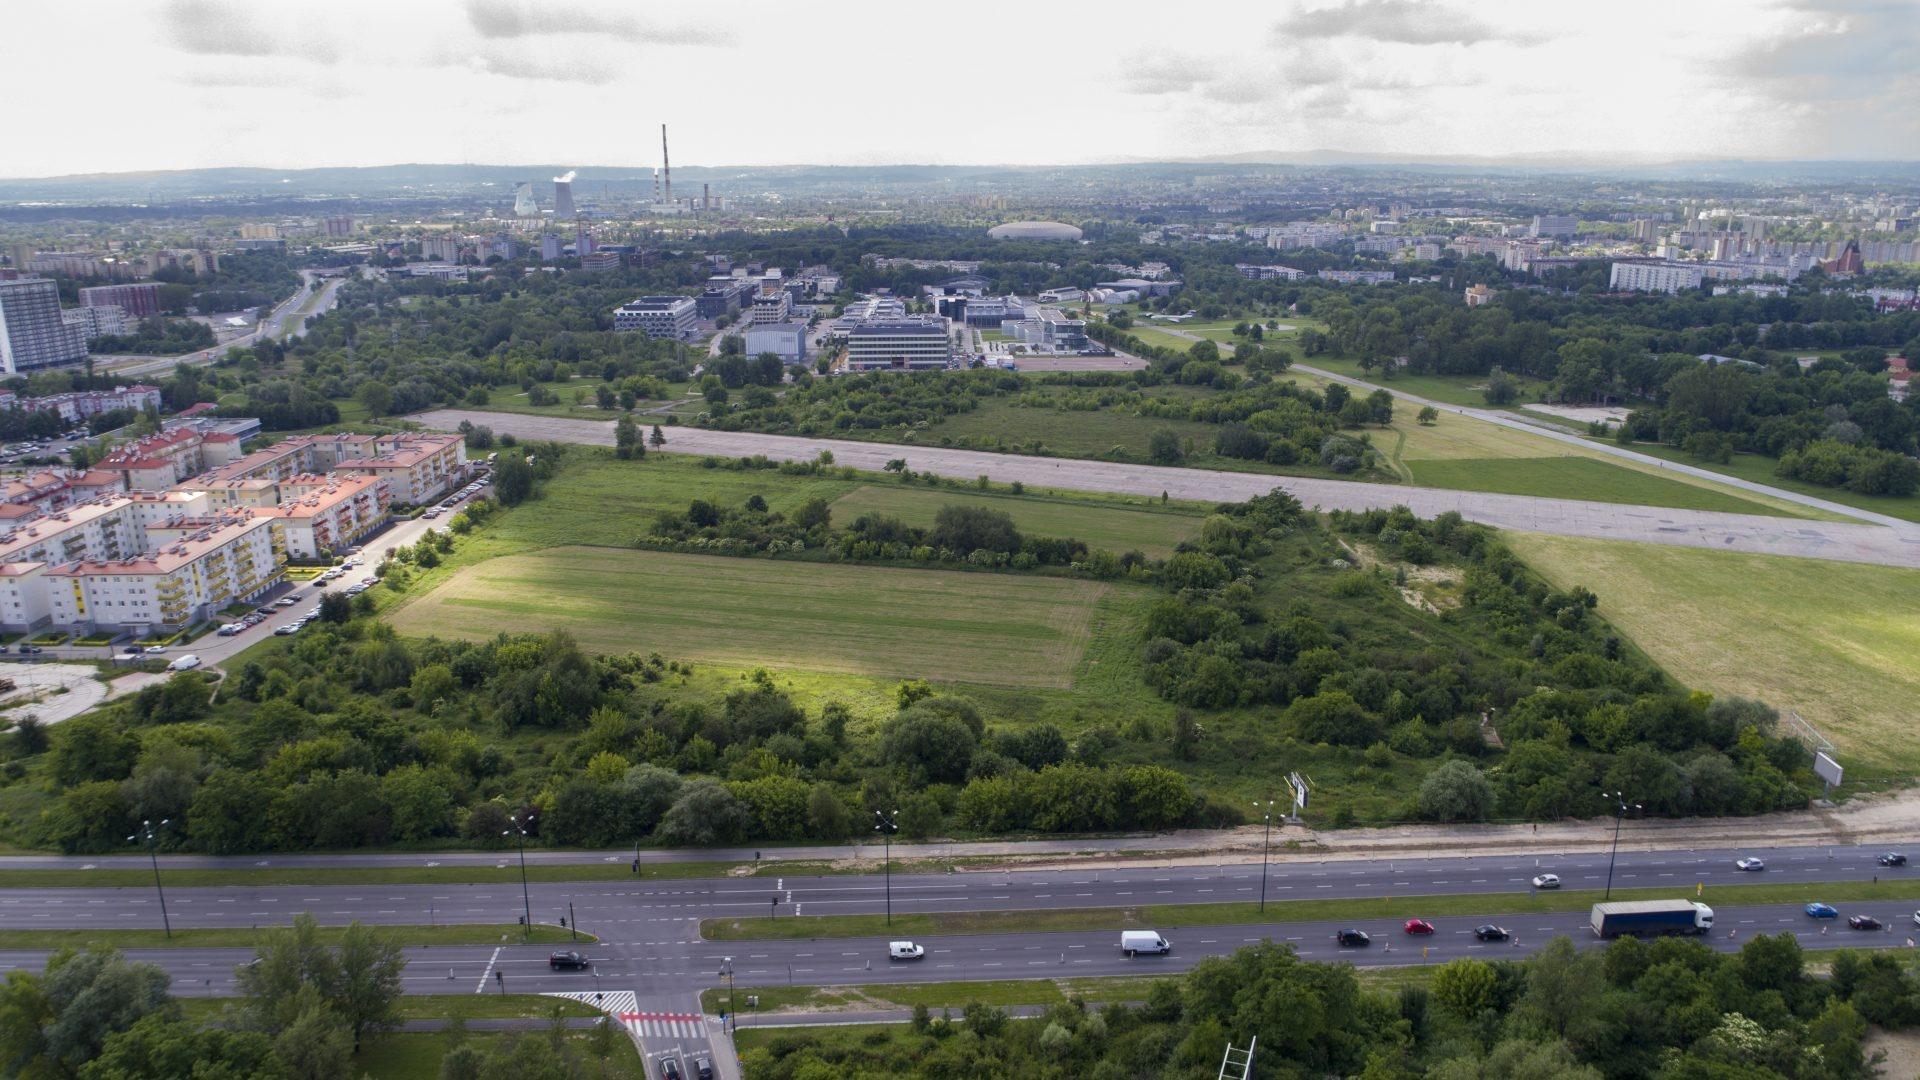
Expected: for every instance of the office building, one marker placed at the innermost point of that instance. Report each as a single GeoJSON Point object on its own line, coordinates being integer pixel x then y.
{"type": "Point", "coordinates": [1660, 276]}
{"type": "Point", "coordinates": [723, 296]}
{"type": "Point", "coordinates": [93, 322]}
{"type": "Point", "coordinates": [259, 232]}
{"type": "Point", "coordinates": [772, 305]}
{"type": "Point", "coordinates": [906, 343]}
{"type": "Point", "coordinates": [597, 261]}
{"type": "Point", "coordinates": [338, 226]}
{"type": "Point", "coordinates": [549, 248]}
{"type": "Point", "coordinates": [1357, 277]}
{"type": "Point", "coordinates": [32, 333]}
{"type": "Point", "coordinates": [1554, 227]}
{"type": "Point", "coordinates": [1478, 296]}
{"type": "Point", "coordinates": [1067, 294]}
{"type": "Point", "coordinates": [788, 341]}
{"type": "Point", "coordinates": [672, 317]}
{"type": "Point", "coordinates": [1269, 273]}
{"type": "Point", "coordinates": [440, 249]}
{"type": "Point", "coordinates": [1050, 328]}
{"type": "Point", "coordinates": [142, 300]}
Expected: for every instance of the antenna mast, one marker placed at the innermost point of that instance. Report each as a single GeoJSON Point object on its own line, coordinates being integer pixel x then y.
{"type": "Point", "coordinates": [666, 167]}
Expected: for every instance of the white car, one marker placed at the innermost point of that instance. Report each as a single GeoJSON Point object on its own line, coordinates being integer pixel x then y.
{"type": "Point", "coordinates": [184, 663]}
{"type": "Point", "coordinates": [905, 950]}
{"type": "Point", "coordinates": [286, 601]}
{"type": "Point", "coordinates": [151, 649]}
{"type": "Point", "coordinates": [1546, 881]}
{"type": "Point", "coordinates": [1750, 864]}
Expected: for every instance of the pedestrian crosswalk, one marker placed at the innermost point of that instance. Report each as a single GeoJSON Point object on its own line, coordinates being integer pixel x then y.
{"type": "Point", "coordinates": [663, 1025]}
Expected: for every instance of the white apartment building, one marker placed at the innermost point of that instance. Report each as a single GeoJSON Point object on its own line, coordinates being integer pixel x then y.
{"type": "Point", "coordinates": [196, 567]}
{"type": "Point", "coordinates": [1357, 277]}
{"type": "Point", "coordinates": [92, 322]}
{"type": "Point", "coordinates": [672, 317]}
{"type": "Point", "coordinates": [33, 334]}
{"type": "Point", "coordinates": [319, 515]}
{"type": "Point", "coordinates": [1305, 234]}
{"type": "Point", "coordinates": [1660, 277]}
{"type": "Point", "coordinates": [907, 343]}
{"type": "Point", "coordinates": [417, 468]}
{"type": "Point", "coordinates": [1269, 273]}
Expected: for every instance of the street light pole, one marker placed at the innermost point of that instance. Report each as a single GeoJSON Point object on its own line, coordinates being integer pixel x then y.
{"type": "Point", "coordinates": [519, 830]}
{"type": "Point", "coordinates": [889, 824]}
{"type": "Point", "coordinates": [1619, 799]}
{"type": "Point", "coordinates": [147, 833]}
{"type": "Point", "coordinates": [1266, 845]}
{"type": "Point", "coordinates": [732, 1012]}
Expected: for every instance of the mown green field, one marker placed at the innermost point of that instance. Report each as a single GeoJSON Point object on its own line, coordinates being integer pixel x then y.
{"type": "Point", "coordinates": [1109, 528]}
{"type": "Point", "coordinates": [992, 629]}
{"type": "Point", "coordinates": [1577, 478]}
{"type": "Point", "coordinates": [1834, 641]}
{"type": "Point", "coordinates": [1452, 389]}
{"type": "Point", "coordinates": [1759, 469]}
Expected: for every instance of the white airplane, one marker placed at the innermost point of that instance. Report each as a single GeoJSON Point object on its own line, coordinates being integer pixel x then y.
{"type": "Point", "coordinates": [1173, 318]}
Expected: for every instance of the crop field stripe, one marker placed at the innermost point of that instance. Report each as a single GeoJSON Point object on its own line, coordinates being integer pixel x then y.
{"type": "Point", "coordinates": [1113, 528]}
{"type": "Point", "coordinates": [937, 624]}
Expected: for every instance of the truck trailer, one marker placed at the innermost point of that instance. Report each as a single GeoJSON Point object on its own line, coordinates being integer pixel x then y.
{"type": "Point", "coordinates": [1646, 918]}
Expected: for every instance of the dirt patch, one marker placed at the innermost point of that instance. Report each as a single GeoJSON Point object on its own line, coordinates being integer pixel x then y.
{"type": "Point", "coordinates": [1901, 1050]}
{"type": "Point", "coordinates": [1432, 589]}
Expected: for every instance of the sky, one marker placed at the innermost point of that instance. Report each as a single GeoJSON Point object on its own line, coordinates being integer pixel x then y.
{"type": "Point", "coordinates": [131, 85]}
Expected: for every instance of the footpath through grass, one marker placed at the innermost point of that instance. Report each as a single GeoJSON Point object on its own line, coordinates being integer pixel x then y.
{"type": "Point", "coordinates": [1153, 916]}
{"type": "Point", "coordinates": [241, 937]}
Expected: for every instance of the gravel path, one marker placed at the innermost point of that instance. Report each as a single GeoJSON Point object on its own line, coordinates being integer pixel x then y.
{"type": "Point", "coordinates": [1842, 541]}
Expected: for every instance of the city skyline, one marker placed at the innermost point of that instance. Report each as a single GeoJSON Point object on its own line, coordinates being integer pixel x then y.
{"type": "Point", "coordinates": [508, 81]}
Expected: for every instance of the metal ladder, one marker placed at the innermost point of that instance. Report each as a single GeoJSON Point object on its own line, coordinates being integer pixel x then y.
{"type": "Point", "coordinates": [1238, 1064]}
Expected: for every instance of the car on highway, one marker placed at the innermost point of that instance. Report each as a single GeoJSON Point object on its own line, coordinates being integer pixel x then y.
{"type": "Point", "coordinates": [1863, 922]}
{"type": "Point", "coordinates": [1818, 910]}
{"type": "Point", "coordinates": [1546, 881]}
{"type": "Point", "coordinates": [30, 650]}
{"type": "Point", "coordinates": [1892, 858]}
{"type": "Point", "coordinates": [1490, 932]}
{"type": "Point", "coordinates": [905, 950]}
{"type": "Point", "coordinates": [1351, 936]}
{"type": "Point", "coordinates": [568, 960]}
{"type": "Point", "coordinates": [1419, 926]}
{"type": "Point", "coordinates": [1750, 864]}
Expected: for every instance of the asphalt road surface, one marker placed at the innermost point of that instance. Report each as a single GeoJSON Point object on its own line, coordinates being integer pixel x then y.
{"type": "Point", "coordinates": [664, 912]}
{"type": "Point", "coordinates": [1759, 534]}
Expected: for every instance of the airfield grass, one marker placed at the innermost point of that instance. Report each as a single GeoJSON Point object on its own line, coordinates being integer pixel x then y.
{"type": "Point", "coordinates": [1833, 641]}
{"type": "Point", "coordinates": [1759, 469]}
{"type": "Point", "coordinates": [1110, 528]}
{"type": "Point", "coordinates": [1577, 478]}
{"type": "Point", "coordinates": [1452, 389]}
{"type": "Point", "coordinates": [935, 624]}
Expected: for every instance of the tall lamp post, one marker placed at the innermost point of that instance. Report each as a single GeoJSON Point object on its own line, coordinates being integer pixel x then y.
{"type": "Point", "coordinates": [152, 840]}
{"type": "Point", "coordinates": [519, 830]}
{"type": "Point", "coordinates": [1266, 838]}
{"type": "Point", "coordinates": [727, 970]}
{"type": "Point", "coordinates": [888, 825]}
{"type": "Point", "coordinates": [1621, 806]}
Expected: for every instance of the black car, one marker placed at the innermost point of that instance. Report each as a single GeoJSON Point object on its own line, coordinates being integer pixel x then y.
{"type": "Point", "coordinates": [702, 1069]}
{"type": "Point", "coordinates": [1892, 858]}
{"type": "Point", "coordinates": [31, 649]}
{"type": "Point", "coordinates": [1352, 937]}
{"type": "Point", "coordinates": [669, 1069]}
{"type": "Point", "coordinates": [568, 961]}
{"type": "Point", "coordinates": [1491, 932]}
{"type": "Point", "coordinates": [1863, 922]}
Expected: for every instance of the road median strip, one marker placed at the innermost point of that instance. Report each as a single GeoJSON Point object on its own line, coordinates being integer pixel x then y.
{"type": "Point", "coordinates": [1161, 916]}
{"type": "Point", "coordinates": [239, 937]}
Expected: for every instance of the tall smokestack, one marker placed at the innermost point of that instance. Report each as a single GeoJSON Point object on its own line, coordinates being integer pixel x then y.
{"type": "Point", "coordinates": [666, 166]}
{"type": "Point", "coordinates": [706, 195]}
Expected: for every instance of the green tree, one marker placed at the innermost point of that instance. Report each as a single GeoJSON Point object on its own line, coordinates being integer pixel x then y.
{"type": "Point", "coordinates": [164, 1047]}
{"type": "Point", "coordinates": [1428, 415]}
{"type": "Point", "coordinates": [55, 1022]}
{"type": "Point", "coordinates": [336, 607]}
{"type": "Point", "coordinates": [512, 480]}
{"type": "Point", "coordinates": [1465, 988]}
{"type": "Point", "coordinates": [1456, 791]}
{"type": "Point", "coordinates": [1163, 447]}
{"type": "Point", "coordinates": [658, 438]}
{"type": "Point", "coordinates": [316, 1043]}
{"type": "Point", "coordinates": [376, 396]}
{"type": "Point", "coordinates": [626, 439]}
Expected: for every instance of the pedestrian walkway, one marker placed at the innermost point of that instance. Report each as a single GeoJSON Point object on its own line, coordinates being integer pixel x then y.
{"type": "Point", "coordinates": [665, 1025]}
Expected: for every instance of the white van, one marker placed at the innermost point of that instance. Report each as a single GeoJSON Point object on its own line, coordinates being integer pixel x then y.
{"type": "Point", "coordinates": [185, 663]}
{"type": "Point", "coordinates": [905, 950]}
{"type": "Point", "coordinates": [1135, 942]}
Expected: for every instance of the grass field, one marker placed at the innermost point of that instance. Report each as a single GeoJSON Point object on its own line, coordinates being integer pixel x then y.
{"type": "Point", "coordinates": [933, 624]}
{"type": "Point", "coordinates": [1577, 478]}
{"type": "Point", "coordinates": [1452, 389]}
{"type": "Point", "coordinates": [1834, 641]}
{"type": "Point", "coordinates": [1111, 528]}
{"type": "Point", "coordinates": [945, 995]}
{"type": "Point", "coordinates": [411, 1055]}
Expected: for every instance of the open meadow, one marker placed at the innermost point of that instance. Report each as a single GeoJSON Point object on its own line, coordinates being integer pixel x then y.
{"type": "Point", "coordinates": [1110, 528]}
{"type": "Point", "coordinates": [1833, 641]}
{"type": "Point", "coordinates": [934, 624]}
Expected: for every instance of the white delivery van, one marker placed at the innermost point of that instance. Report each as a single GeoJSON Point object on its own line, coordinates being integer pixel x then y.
{"type": "Point", "coordinates": [1135, 942]}
{"type": "Point", "coordinates": [905, 950]}
{"type": "Point", "coordinates": [185, 663]}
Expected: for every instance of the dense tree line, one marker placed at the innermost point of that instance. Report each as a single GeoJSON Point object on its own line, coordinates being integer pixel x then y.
{"type": "Point", "coordinates": [1669, 1010]}
{"type": "Point", "coordinates": [161, 337]}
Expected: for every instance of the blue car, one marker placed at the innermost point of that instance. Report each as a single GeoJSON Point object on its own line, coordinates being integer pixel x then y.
{"type": "Point", "coordinates": [1822, 911]}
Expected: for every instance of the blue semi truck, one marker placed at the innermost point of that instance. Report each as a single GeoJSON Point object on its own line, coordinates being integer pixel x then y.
{"type": "Point", "coordinates": [1649, 918]}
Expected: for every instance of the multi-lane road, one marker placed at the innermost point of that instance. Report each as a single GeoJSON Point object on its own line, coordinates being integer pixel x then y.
{"type": "Point", "coordinates": [650, 944]}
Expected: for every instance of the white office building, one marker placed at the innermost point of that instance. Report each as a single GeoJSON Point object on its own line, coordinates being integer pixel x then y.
{"type": "Point", "coordinates": [772, 305]}
{"type": "Point", "coordinates": [908, 343]}
{"type": "Point", "coordinates": [788, 341]}
{"type": "Point", "coordinates": [673, 317]}
{"type": "Point", "coordinates": [1660, 277]}
{"type": "Point", "coordinates": [32, 332]}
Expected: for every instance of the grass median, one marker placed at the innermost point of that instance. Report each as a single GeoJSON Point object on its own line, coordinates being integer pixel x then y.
{"type": "Point", "coordinates": [431, 1007]}
{"type": "Point", "coordinates": [239, 937]}
{"type": "Point", "coordinates": [1354, 909]}
{"type": "Point", "coordinates": [952, 995]}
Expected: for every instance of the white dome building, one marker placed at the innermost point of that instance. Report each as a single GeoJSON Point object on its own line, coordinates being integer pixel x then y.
{"type": "Point", "coordinates": [1034, 230]}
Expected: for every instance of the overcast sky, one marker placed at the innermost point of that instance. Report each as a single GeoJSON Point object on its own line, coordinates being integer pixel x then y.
{"type": "Point", "coordinates": [101, 86]}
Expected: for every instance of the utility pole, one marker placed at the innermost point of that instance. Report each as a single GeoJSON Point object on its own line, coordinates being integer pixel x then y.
{"type": "Point", "coordinates": [1266, 845]}
{"type": "Point", "coordinates": [147, 834]}
{"type": "Point", "coordinates": [727, 970]}
{"type": "Point", "coordinates": [519, 830]}
{"type": "Point", "coordinates": [1619, 799]}
{"type": "Point", "coordinates": [889, 824]}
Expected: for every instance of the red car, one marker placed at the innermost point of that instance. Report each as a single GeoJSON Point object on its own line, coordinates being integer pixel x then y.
{"type": "Point", "coordinates": [1419, 926]}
